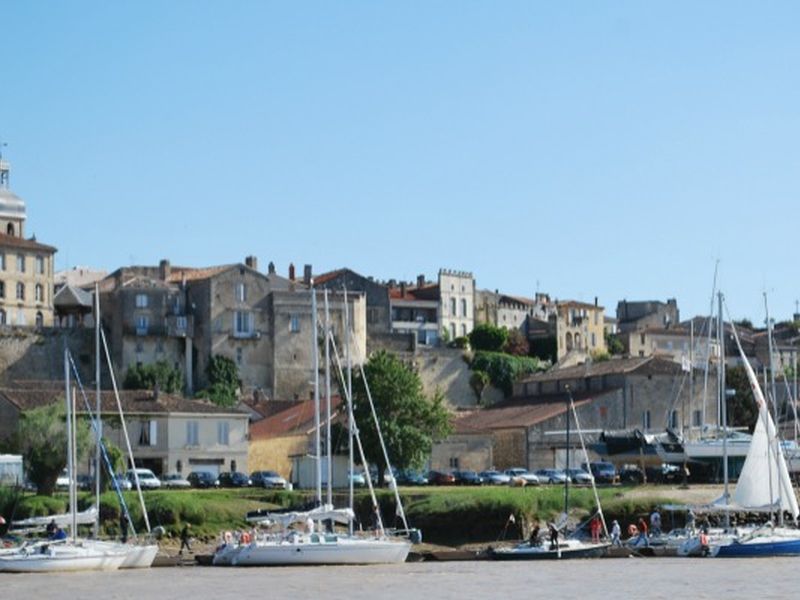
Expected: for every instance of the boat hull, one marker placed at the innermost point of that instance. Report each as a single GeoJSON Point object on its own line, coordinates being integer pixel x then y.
{"type": "Point", "coordinates": [61, 560]}
{"type": "Point", "coordinates": [341, 552]}
{"type": "Point", "coordinates": [525, 552]}
{"type": "Point", "coordinates": [763, 548]}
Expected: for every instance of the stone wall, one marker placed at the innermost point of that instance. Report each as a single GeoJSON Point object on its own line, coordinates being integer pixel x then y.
{"type": "Point", "coordinates": [274, 454]}
{"type": "Point", "coordinates": [27, 354]}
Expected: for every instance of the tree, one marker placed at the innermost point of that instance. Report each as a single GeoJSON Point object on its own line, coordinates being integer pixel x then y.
{"type": "Point", "coordinates": [516, 343]}
{"type": "Point", "coordinates": [160, 373]}
{"type": "Point", "coordinates": [410, 421]}
{"type": "Point", "coordinates": [741, 407]}
{"type": "Point", "coordinates": [479, 381]}
{"type": "Point", "coordinates": [42, 441]}
{"type": "Point", "coordinates": [223, 381]}
{"type": "Point", "coordinates": [614, 344]}
{"type": "Point", "coordinates": [505, 369]}
{"type": "Point", "coordinates": [488, 338]}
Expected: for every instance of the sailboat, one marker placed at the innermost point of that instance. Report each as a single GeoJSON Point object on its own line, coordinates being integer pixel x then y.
{"type": "Point", "coordinates": [289, 546]}
{"type": "Point", "coordinates": [72, 553]}
{"type": "Point", "coordinates": [569, 547]}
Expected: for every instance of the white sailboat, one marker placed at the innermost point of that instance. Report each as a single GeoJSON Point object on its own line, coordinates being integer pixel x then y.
{"type": "Point", "coordinates": [70, 554]}
{"type": "Point", "coordinates": [288, 546]}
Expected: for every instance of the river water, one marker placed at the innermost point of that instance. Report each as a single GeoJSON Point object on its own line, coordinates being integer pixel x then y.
{"type": "Point", "coordinates": [656, 578]}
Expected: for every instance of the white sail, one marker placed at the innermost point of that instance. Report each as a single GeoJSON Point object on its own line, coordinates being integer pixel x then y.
{"type": "Point", "coordinates": [764, 481]}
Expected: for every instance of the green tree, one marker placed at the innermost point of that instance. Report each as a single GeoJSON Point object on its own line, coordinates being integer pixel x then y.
{"type": "Point", "coordinates": [223, 381]}
{"type": "Point", "coordinates": [41, 438]}
{"type": "Point", "coordinates": [147, 376]}
{"type": "Point", "coordinates": [516, 343]}
{"type": "Point", "coordinates": [505, 369]}
{"type": "Point", "coordinates": [479, 381]}
{"type": "Point", "coordinates": [741, 407]}
{"type": "Point", "coordinates": [410, 421]}
{"type": "Point", "coordinates": [614, 344]}
{"type": "Point", "coordinates": [488, 338]}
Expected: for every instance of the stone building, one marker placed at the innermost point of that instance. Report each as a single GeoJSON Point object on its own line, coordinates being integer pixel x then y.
{"type": "Point", "coordinates": [379, 313]}
{"type": "Point", "coordinates": [632, 316]}
{"type": "Point", "coordinates": [456, 302]}
{"type": "Point", "coordinates": [26, 266]}
{"type": "Point", "coordinates": [579, 330]}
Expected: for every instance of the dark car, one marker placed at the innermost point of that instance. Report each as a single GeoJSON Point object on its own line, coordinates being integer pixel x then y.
{"type": "Point", "coordinates": [234, 479]}
{"type": "Point", "coordinates": [411, 477]}
{"type": "Point", "coordinates": [631, 474]}
{"type": "Point", "coordinates": [202, 479]}
{"type": "Point", "coordinates": [439, 478]}
{"type": "Point", "coordinates": [467, 478]}
{"type": "Point", "coordinates": [84, 482]}
{"type": "Point", "coordinates": [603, 472]}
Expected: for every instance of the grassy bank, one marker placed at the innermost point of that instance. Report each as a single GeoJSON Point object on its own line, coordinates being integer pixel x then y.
{"type": "Point", "coordinates": [451, 516]}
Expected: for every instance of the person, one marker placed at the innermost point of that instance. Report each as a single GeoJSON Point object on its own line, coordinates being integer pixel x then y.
{"type": "Point", "coordinates": [655, 522]}
{"type": "Point", "coordinates": [185, 536]}
{"type": "Point", "coordinates": [615, 533]}
{"type": "Point", "coordinates": [59, 534]}
{"type": "Point", "coordinates": [534, 538]}
{"type": "Point", "coordinates": [642, 527]}
{"type": "Point", "coordinates": [51, 528]}
{"type": "Point", "coordinates": [690, 520]}
{"type": "Point", "coordinates": [309, 525]}
{"type": "Point", "coordinates": [704, 548]}
{"type": "Point", "coordinates": [594, 527]}
{"type": "Point", "coordinates": [123, 527]}
{"type": "Point", "coordinates": [553, 536]}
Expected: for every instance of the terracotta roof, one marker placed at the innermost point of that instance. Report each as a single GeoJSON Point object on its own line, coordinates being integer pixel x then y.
{"type": "Point", "coordinates": [17, 242]}
{"type": "Point", "coordinates": [426, 292]}
{"type": "Point", "coordinates": [299, 418]}
{"type": "Point", "coordinates": [326, 277]}
{"type": "Point", "coordinates": [133, 402]}
{"type": "Point", "coordinates": [652, 365]}
{"type": "Point", "coordinates": [516, 414]}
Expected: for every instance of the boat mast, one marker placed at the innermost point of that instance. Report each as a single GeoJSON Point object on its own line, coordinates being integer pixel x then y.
{"type": "Point", "coordinates": [328, 461]}
{"type": "Point", "coordinates": [350, 416]}
{"type": "Point", "coordinates": [566, 479]}
{"type": "Point", "coordinates": [722, 407]}
{"type": "Point", "coordinates": [70, 466]}
{"type": "Point", "coordinates": [315, 362]}
{"type": "Point", "coordinates": [708, 349]}
{"type": "Point", "coordinates": [771, 363]}
{"type": "Point", "coordinates": [99, 421]}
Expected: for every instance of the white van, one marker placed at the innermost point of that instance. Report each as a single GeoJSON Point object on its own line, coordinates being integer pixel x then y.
{"type": "Point", "coordinates": [147, 479]}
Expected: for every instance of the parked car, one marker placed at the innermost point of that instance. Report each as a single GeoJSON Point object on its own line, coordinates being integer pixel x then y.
{"type": "Point", "coordinates": [203, 479]}
{"type": "Point", "coordinates": [84, 481]}
{"type": "Point", "coordinates": [268, 479]}
{"type": "Point", "coordinates": [411, 477]}
{"type": "Point", "coordinates": [631, 474]}
{"type": "Point", "coordinates": [520, 476]}
{"type": "Point", "coordinates": [234, 479]}
{"type": "Point", "coordinates": [664, 473]}
{"type": "Point", "coordinates": [175, 480]}
{"type": "Point", "coordinates": [439, 478]}
{"type": "Point", "coordinates": [495, 477]}
{"type": "Point", "coordinates": [467, 477]}
{"type": "Point", "coordinates": [579, 476]}
{"type": "Point", "coordinates": [551, 475]}
{"type": "Point", "coordinates": [122, 482]}
{"type": "Point", "coordinates": [62, 482]}
{"type": "Point", "coordinates": [147, 479]}
{"type": "Point", "coordinates": [357, 478]}
{"type": "Point", "coordinates": [603, 472]}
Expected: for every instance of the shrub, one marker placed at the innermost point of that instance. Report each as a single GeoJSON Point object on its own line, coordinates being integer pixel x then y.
{"type": "Point", "coordinates": [488, 338]}
{"type": "Point", "coordinates": [146, 377]}
{"type": "Point", "coordinates": [505, 369]}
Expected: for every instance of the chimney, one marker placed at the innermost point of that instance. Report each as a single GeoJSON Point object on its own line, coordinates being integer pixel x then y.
{"type": "Point", "coordinates": [595, 300]}
{"type": "Point", "coordinates": [402, 289]}
{"type": "Point", "coordinates": [420, 280]}
{"type": "Point", "coordinates": [307, 274]}
{"type": "Point", "coordinates": [252, 262]}
{"type": "Point", "coordinates": [291, 271]}
{"type": "Point", "coordinates": [271, 268]}
{"type": "Point", "coordinates": [164, 269]}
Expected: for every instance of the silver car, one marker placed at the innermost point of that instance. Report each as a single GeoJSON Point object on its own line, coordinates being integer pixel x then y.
{"type": "Point", "coordinates": [551, 475]}
{"type": "Point", "coordinates": [520, 474]}
{"type": "Point", "coordinates": [495, 477]}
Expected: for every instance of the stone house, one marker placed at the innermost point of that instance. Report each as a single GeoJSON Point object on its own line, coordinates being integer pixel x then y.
{"type": "Point", "coordinates": [579, 330]}
{"type": "Point", "coordinates": [26, 266]}
{"type": "Point", "coordinates": [647, 314]}
{"type": "Point", "coordinates": [379, 313]}
{"type": "Point", "coordinates": [167, 433]}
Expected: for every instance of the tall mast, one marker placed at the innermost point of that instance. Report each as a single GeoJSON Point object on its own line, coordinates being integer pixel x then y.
{"type": "Point", "coordinates": [722, 404]}
{"type": "Point", "coordinates": [329, 450]}
{"type": "Point", "coordinates": [350, 417]}
{"type": "Point", "coordinates": [566, 480]}
{"type": "Point", "coordinates": [771, 363]}
{"type": "Point", "coordinates": [317, 449]}
{"type": "Point", "coordinates": [708, 348]}
{"type": "Point", "coordinates": [70, 467]}
{"type": "Point", "coordinates": [99, 421]}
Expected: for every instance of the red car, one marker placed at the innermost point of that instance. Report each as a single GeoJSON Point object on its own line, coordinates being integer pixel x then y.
{"type": "Point", "coordinates": [439, 478]}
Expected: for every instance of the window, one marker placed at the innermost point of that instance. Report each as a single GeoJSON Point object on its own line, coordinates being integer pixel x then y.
{"type": "Point", "coordinates": [182, 323]}
{"type": "Point", "coordinates": [222, 433]}
{"type": "Point", "coordinates": [453, 306]}
{"type": "Point", "coordinates": [673, 419]}
{"type": "Point", "coordinates": [20, 291]}
{"type": "Point", "coordinates": [148, 435]}
{"type": "Point", "coordinates": [39, 319]}
{"type": "Point", "coordinates": [39, 292]}
{"type": "Point", "coordinates": [641, 338]}
{"type": "Point", "coordinates": [452, 331]}
{"type": "Point", "coordinates": [192, 433]}
{"type": "Point", "coordinates": [454, 462]}
{"type": "Point", "coordinates": [141, 300]}
{"type": "Point", "coordinates": [2, 261]}
{"type": "Point", "coordinates": [2, 317]}
{"type": "Point", "coordinates": [294, 324]}
{"type": "Point", "coordinates": [21, 263]}
{"type": "Point", "coordinates": [241, 292]}
{"type": "Point", "coordinates": [463, 307]}
{"type": "Point", "coordinates": [40, 265]}
{"type": "Point", "coordinates": [238, 356]}
{"type": "Point", "coordinates": [697, 418]}
{"type": "Point", "coordinates": [10, 229]}
{"type": "Point", "coordinates": [646, 420]}
{"type": "Point", "coordinates": [2, 289]}
{"type": "Point", "coordinates": [594, 340]}
{"type": "Point", "coordinates": [463, 330]}
{"type": "Point", "coordinates": [243, 323]}
{"type": "Point", "coordinates": [142, 323]}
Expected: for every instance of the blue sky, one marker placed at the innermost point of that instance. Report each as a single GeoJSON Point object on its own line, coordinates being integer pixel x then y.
{"type": "Point", "coordinates": [609, 149]}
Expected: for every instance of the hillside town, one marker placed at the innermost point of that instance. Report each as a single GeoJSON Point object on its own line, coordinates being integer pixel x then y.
{"type": "Point", "coordinates": [636, 366]}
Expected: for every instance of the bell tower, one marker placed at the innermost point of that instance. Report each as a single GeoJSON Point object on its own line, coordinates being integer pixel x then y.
{"type": "Point", "coordinates": [12, 207]}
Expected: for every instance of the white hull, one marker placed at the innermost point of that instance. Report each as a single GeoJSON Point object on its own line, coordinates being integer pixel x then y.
{"type": "Point", "coordinates": [49, 558]}
{"type": "Point", "coordinates": [136, 556]}
{"type": "Point", "coordinates": [322, 550]}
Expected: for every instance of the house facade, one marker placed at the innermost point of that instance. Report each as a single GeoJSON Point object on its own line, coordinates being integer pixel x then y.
{"type": "Point", "coordinates": [579, 329]}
